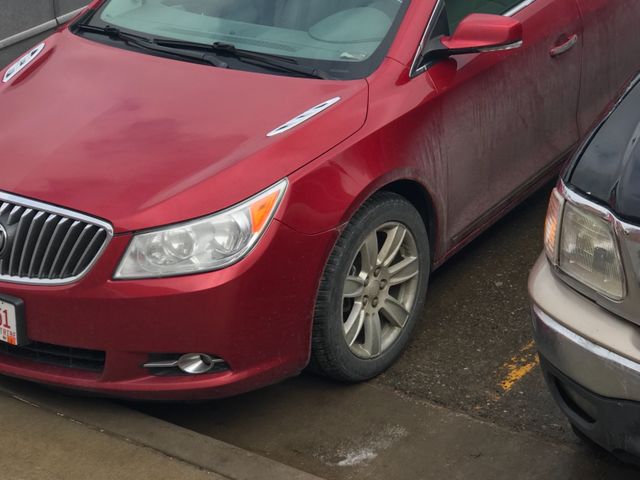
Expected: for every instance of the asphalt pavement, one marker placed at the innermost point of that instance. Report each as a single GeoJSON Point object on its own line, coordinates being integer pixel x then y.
{"type": "Point", "coordinates": [474, 352]}
{"type": "Point", "coordinates": [467, 400]}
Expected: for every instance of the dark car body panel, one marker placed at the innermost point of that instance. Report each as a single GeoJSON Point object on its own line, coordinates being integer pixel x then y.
{"type": "Point", "coordinates": [608, 167]}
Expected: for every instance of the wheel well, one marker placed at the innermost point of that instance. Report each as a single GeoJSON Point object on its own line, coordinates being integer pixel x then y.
{"type": "Point", "coordinates": [419, 198]}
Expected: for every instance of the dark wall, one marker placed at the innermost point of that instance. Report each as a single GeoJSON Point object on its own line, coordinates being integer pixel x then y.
{"type": "Point", "coordinates": [17, 16]}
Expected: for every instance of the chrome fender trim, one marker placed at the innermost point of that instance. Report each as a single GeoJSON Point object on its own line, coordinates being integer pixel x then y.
{"type": "Point", "coordinates": [303, 117]}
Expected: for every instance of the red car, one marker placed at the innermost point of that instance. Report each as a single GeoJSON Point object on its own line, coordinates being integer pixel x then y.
{"type": "Point", "coordinates": [201, 197]}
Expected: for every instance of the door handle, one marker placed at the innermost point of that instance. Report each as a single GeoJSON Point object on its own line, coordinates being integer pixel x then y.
{"type": "Point", "coordinates": [571, 42]}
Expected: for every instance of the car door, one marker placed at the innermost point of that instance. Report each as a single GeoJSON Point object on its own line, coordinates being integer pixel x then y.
{"type": "Point", "coordinates": [611, 53]}
{"type": "Point", "coordinates": [506, 117]}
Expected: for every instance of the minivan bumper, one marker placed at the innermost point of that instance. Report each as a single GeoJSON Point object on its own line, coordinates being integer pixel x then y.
{"type": "Point", "coordinates": [591, 362]}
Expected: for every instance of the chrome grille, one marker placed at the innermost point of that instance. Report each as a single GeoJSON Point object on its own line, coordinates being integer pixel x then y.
{"type": "Point", "coordinates": [47, 244]}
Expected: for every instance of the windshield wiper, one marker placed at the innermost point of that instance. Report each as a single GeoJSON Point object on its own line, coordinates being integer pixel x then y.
{"type": "Point", "coordinates": [277, 62]}
{"type": "Point", "coordinates": [140, 41]}
{"type": "Point", "coordinates": [203, 52]}
{"type": "Point", "coordinates": [109, 31]}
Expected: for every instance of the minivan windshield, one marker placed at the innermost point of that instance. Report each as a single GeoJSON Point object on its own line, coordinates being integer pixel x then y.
{"type": "Point", "coordinates": [347, 38]}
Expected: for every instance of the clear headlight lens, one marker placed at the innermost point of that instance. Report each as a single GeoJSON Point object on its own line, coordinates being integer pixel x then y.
{"type": "Point", "coordinates": [589, 252]}
{"type": "Point", "coordinates": [206, 244]}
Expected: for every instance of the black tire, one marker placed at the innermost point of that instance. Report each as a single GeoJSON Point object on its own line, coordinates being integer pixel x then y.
{"type": "Point", "coordinates": [330, 352]}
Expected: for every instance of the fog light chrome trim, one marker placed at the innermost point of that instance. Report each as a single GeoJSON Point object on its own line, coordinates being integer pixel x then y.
{"type": "Point", "coordinates": [190, 363]}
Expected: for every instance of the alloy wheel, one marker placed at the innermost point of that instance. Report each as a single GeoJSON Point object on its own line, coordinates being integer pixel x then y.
{"type": "Point", "coordinates": [380, 290]}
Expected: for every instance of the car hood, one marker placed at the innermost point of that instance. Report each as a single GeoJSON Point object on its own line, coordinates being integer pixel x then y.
{"type": "Point", "coordinates": [143, 141]}
{"type": "Point", "coordinates": [608, 168]}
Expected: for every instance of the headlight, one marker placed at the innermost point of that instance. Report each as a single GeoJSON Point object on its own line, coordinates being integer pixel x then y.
{"type": "Point", "coordinates": [206, 244]}
{"type": "Point", "coordinates": [583, 245]}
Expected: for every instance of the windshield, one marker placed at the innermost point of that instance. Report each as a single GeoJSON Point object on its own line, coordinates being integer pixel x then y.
{"type": "Point", "coordinates": [347, 38]}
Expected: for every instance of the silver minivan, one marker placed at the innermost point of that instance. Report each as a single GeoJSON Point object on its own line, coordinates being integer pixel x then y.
{"type": "Point", "coordinates": [585, 288]}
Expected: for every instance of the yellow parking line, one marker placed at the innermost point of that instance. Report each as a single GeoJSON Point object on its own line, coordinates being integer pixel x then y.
{"type": "Point", "coordinates": [519, 366]}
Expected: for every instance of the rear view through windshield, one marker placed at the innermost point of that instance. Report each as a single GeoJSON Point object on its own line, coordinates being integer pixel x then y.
{"type": "Point", "coordinates": [347, 37]}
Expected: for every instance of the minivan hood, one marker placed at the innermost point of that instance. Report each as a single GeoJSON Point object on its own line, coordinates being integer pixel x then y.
{"type": "Point", "coordinates": [608, 168]}
{"type": "Point", "coordinates": [144, 141]}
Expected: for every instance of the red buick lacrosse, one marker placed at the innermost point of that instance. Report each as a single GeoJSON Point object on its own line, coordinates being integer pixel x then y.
{"type": "Point", "coordinates": [202, 197]}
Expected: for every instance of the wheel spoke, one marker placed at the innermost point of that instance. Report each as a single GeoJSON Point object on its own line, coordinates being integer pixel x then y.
{"type": "Point", "coordinates": [395, 312]}
{"type": "Point", "coordinates": [369, 253]}
{"type": "Point", "coordinates": [353, 325]}
{"type": "Point", "coordinates": [403, 271]}
{"type": "Point", "coordinates": [353, 287]}
{"type": "Point", "coordinates": [373, 334]}
{"type": "Point", "coordinates": [392, 244]}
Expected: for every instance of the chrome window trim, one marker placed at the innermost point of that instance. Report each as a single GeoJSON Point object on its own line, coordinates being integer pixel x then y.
{"type": "Point", "coordinates": [437, 9]}
{"type": "Point", "coordinates": [518, 8]}
{"type": "Point", "coordinates": [628, 238]}
{"type": "Point", "coordinates": [71, 214]}
{"type": "Point", "coordinates": [502, 48]}
{"type": "Point", "coordinates": [435, 14]}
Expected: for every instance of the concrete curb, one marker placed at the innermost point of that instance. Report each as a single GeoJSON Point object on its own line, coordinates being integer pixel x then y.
{"type": "Point", "coordinates": [185, 445]}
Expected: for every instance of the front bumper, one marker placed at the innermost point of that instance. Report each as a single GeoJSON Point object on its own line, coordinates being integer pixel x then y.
{"type": "Point", "coordinates": [591, 362]}
{"type": "Point", "coordinates": [256, 315]}
{"type": "Point", "coordinates": [613, 424]}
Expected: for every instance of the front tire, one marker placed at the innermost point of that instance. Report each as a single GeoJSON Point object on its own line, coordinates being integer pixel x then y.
{"type": "Point", "coordinates": [372, 290]}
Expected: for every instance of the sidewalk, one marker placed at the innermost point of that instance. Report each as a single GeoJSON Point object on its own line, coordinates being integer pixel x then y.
{"type": "Point", "coordinates": [41, 445]}
{"type": "Point", "coordinates": [51, 436]}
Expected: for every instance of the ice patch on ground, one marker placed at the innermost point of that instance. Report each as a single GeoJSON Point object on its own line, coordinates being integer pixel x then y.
{"type": "Point", "coordinates": [365, 449]}
{"type": "Point", "coordinates": [357, 457]}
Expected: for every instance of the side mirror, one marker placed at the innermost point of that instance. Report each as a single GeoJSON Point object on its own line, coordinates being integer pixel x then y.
{"type": "Point", "coordinates": [477, 33]}
{"type": "Point", "coordinates": [481, 32]}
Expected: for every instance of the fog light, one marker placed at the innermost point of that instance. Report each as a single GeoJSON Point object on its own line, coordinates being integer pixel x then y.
{"type": "Point", "coordinates": [196, 363]}
{"type": "Point", "coordinates": [187, 364]}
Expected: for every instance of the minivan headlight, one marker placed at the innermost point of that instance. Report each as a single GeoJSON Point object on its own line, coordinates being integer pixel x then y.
{"type": "Point", "coordinates": [584, 246]}
{"type": "Point", "coordinates": [201, 245]}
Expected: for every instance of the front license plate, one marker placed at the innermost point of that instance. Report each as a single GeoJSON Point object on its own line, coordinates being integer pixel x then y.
{"type": "Point", "coordinates": [12, 328]}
